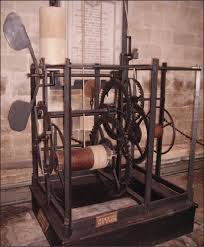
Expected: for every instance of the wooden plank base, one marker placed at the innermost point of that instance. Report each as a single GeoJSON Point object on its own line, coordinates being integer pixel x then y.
{"type": "Point", "coordinates": [132, 224]}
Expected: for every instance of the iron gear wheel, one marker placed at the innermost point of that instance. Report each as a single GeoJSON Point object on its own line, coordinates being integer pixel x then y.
{"type": "Point", "coordinates": [120, 147]}
{"type": "Point", "coordinates": [124, 112]}
{"type": "Point", "coordinates": [46, 138]}
{"type": "Point", "coordinates": [136, 92]}
{"type": "Point", "coordinates": [138, 135]}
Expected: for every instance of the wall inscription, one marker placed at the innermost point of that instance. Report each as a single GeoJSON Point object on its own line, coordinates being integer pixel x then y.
{"type": "Point", "coordinates": [94, 31]}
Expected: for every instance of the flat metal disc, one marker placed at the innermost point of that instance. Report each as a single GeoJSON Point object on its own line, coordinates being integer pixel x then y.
{"type": "Point", "coordinates": [18, 115]}
{"type": "Point", "coordinates": [15, 32]}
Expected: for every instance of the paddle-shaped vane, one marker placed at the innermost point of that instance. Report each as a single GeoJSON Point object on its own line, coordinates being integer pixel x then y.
{"type": "Point", "coordinates": [18, 39]}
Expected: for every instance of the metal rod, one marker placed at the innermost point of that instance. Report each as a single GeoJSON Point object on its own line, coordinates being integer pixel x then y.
{"type": "Point", "coordinates": [161, 119]}
{"type": "Point", "coordinates": [77, 113]}
{"type": "Point", "coordinates": [119, 118]}
{"type": "Point", "coordinates": [102, 66]}
{"type": "Point", "coordinates": [72, 75]}
{"type": "Point", "coordinates": [45, 127]}
{"type": "Point", "coordinates": [33, 55]}
{"type": "Point", "coordinates": [39, 156]}
{"type": "Point", "coordinates": [124, 65]}
{"type": "Point", "coordinates": [45, 89]}
{"type": "Point", "coordinates": [97, 88]}
{"type": "Point", "coordinates": [67, 150]}
{"type": "Point", "coordinates": [108, 75]}
{"type": "Point", "coordinates": [33, 128]}
{"type": "Point", "coordinates": [83, 106]}
{"type": "Point", "coordinates": [180, 68]}
{"type": "Point", "coordinates": [124, 58]}
{"type": "Point", "coordinates": [135, 195]}
{"type": "Point", "coordinates": [150, 145]}
{"type": "Point", "coordinates": [132, 66]}
{"type": "Point", "coordinates": [97, 92]}
{"type": "Point", "coordinates": [194, 133]}
{"type": "Point", "coordinates": [90, 75]}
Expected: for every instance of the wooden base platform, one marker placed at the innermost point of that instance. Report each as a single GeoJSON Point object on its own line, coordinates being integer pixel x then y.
{"type": "Point", "coordinates": [98, 218]}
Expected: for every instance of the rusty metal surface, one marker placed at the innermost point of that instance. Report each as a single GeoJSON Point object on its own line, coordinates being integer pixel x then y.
{"type": "Point", "coordinates": [158, 131]}
{"type": "Point", "coordinates": [82, 158]}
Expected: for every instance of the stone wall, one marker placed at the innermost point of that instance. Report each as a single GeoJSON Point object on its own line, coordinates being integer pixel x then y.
{"type": "Point", "coordinates": [14, 82]}
{"type": "Point", "coordinates": [173, 32]}
{"type": "Point", "coordinates": [169, 30]}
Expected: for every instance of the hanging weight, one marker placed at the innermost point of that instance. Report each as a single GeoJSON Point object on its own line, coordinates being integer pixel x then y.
{"type": "Point", "coordinates": [160, 130]}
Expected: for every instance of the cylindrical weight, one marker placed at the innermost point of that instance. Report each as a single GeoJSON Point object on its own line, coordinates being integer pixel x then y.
{"type": "Point", "coordinates": [158, 131]}
{"type": "Point", "coordinates": [89, 158]}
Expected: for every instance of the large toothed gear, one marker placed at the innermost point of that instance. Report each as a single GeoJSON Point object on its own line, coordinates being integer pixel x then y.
{"type": "Point", "coordinates": [138, 135]}
{"type": "Point", "coordinates": [136, 92]}
{"type": "Point", "coordinates": [119, 145]}
{"type": "Point", "coordinates": [125, 112]}
{"type": "Point", "coordinates": [134, 120]}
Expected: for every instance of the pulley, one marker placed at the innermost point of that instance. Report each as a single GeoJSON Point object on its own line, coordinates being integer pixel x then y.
{"type": "Point", "coordinates": [167, 126]}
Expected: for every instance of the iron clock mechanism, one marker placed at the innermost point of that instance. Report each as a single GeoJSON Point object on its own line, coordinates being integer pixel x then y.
{"type": "Point", "coordinates": [134, 120]}
{"type": "Point", "coordinates": [118, 142]}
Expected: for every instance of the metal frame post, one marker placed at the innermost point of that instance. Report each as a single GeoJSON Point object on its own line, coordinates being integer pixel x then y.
{"type": "Point", "coordinates": [124, 75]}
{"type": "Point", "coordinates": [45, 126]}
{"type": "Point", "coordinates": [97, 88]}
{"type": "Point", "coordinates": [194, 134]}
{"type": "Point", "coordinates": [124, 57]}
{"type": "Point", "coordinates": [150, 145]}
{"type": "Point", "coordinates": [33, 126]}
{"type": "Point", "coordinates": [161, 118]}
{"type": "Point", "coordinates": [67, 149]}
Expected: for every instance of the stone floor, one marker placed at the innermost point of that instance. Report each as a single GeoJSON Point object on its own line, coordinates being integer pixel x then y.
{"type": "Point", "coordinates": [20, 228]}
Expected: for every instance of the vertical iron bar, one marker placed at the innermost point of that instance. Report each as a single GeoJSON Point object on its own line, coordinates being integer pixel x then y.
{"type": "Point", "coordinates": [161, 118]}
{"type": "Point", "coordinates": [124, 57]}
{"type": "Point", "coordinates": [194, 133]}
{"type": "Point", "coordinates": [119, 117]}
{"type": "Point", "coordinates": [67, 149]}
{"type": "Point", "coordinates": [45, 89]}
{"type": "Point", "coordinates": [45, 126]}
{"type": "Point", "coordinates": [33, 126]}
{"type": "Point", "coordinates": [83, 107]}
{"type": "Point", "coordinates": [124, 75]}
{"type": "Point", "coordinates": [97, 91]}
{"type": "Point", "coordinates": [97, 88]}
{"type": "Point", "coordinates": [55, 139]}
{"type": "Point", "coordinates": [150, 145]}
